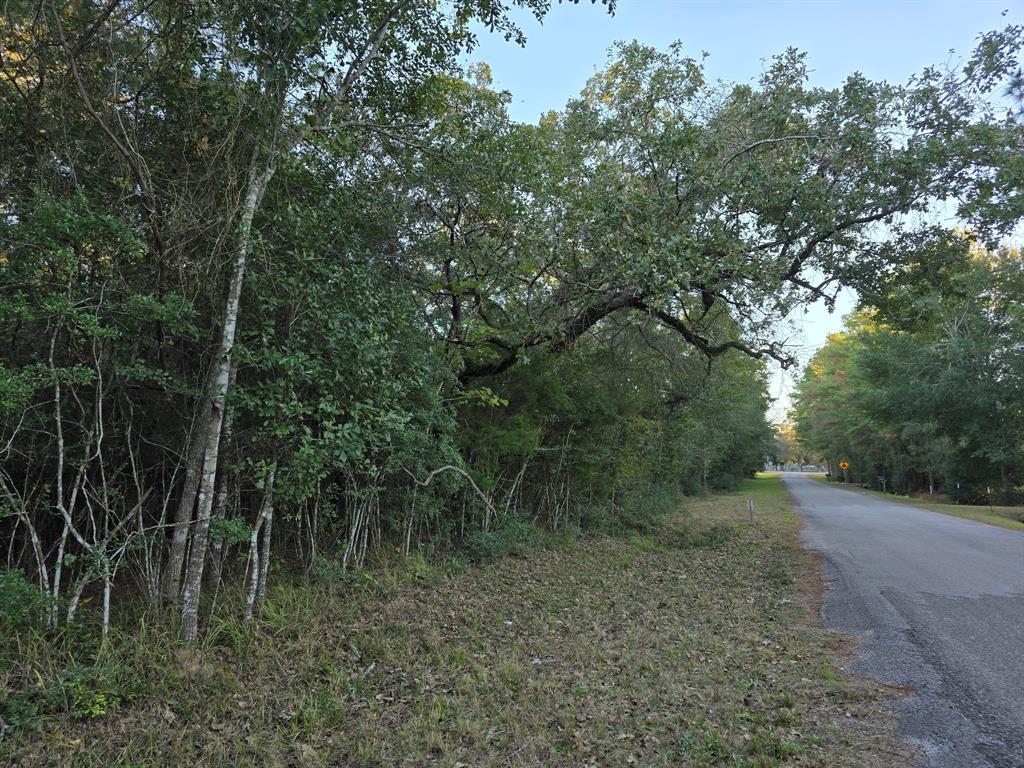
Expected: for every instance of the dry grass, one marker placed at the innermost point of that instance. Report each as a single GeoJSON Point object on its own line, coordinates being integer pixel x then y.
{"type": "Point", "coordinates": [695, 645]}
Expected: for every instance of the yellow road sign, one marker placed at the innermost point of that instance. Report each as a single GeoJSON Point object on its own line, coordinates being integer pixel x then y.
{"type": "Point", "coordinates": [844, 465]}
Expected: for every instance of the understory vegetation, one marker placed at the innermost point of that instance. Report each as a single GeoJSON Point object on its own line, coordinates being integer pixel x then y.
{"type": "Point", "coordinates": [291, 307]}
{"type": "Point", "coordinates": [694, 643]}
{"type": "Point", "coordinates": [924, 391]}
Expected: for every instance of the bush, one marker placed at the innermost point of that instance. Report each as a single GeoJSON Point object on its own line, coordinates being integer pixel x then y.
{"type": "Point", "coordinates": [90, 691]}
{"type": "Point", "coordinates": [637, 511]}
{"type": "Point", "coordinates": [19, 711]}
{"type": "Point", "coordinates": [512, 536]}
{"type": "Point", "coordinates": [22, 604]}
{"type": "Point", "coordinates": [328, 571]}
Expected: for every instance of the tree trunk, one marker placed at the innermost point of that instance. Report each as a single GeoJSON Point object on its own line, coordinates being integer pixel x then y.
{"type": "Point", "coordinates": [218, 384]}
{"type": "Point", "coordinates": [257, 572]}
{"type": "Point", "coordinates": [220, 507]}
{"type": "Point", "coordinates": [214, 405]}
{"type": "Point", "coordinates": [107, 580]}
{"type": "Point", "coordinates": [57, 571]}
{"type": "Point", "coordinates": [268, 526]}
{"type": "Point", "coordinates": [254, 567]}
{"type": "Point", "coordinates": [76, 597]}
{"type": "Point", "coordinates": [186, 506]}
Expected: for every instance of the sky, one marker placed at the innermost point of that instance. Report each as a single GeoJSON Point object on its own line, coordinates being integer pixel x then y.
{"type": "Point", "coordinates": [883, 40]}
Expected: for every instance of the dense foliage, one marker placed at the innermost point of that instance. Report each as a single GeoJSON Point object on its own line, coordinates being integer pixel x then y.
{"type": "Point", "coordinates": [279, 282]}
{"type": "Point", "coordinates": [925, 389]}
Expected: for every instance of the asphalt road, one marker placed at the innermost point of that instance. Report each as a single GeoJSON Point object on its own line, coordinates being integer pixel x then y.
{"type": "Point", "coordinates": [938, 603]}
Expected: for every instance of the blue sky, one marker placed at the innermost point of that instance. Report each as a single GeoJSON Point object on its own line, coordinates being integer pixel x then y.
{"type": "Point", "coordinates": [883, 40]}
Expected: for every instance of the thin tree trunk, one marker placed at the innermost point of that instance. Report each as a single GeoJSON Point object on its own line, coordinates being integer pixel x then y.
{"type": "Point", "coordinates": [57, 571]}
{"type": "Point", "coordinates": [258, 572]}
{"type": "Point", "coordinates": [408, 528]}
{"type": "Point", "coordinates": [215, 400]}
{"type": "Point", "coordinates": [220, 508]}
{"type": "Point", "coordinates": [65, 510]}
{"type": "Point", "coordinates": [186, 506]}
{"type": "Point", "coordinates": [106, 603]}
{"type": "Point", "coordinates": [268, 526]}
{"type": "Point", "coordinates": [254, 566]}
{"type": "Point", "coordinates": [313, 527]}
{"type": "Point", "coordinates": [218, 384]}
{"type": "Point", "coordinates": [77, 596]}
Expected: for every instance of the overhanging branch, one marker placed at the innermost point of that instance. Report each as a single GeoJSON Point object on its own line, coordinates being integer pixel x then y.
{"type": "Point", "coordinates": [586, 319]}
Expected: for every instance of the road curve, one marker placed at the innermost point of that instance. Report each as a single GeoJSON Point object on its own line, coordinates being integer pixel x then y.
{"type": "Point", "coordinates": [938, 603]}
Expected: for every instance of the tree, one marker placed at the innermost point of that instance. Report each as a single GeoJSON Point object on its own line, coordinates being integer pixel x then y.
{"type": "Point", "coordinates": [661, 194]}
{"type": "Point", "coordinates": [241, 87]}
{"type": "Point", "coordinates": [927, 386]}
{"type": "Point", "coordinates": [265, 269]}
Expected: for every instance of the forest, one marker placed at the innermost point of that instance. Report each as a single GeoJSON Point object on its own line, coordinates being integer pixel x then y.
{"type": "Point", "coordinates": [285, 291]}
{"type": "Point", "coordinates": [924, 391]}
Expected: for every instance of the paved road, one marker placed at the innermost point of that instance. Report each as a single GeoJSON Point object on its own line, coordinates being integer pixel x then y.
{"type": "Point", "coordinates": [938, 603]}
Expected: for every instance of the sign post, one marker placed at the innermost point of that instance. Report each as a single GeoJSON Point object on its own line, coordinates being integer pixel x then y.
{"type": "Point", "coordinates": [845, 465]}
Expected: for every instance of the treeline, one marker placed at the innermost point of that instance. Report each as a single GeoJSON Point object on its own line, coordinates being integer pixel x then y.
{"type": "Point", "coordinates": [924, 391]}
{"type": "Point", "coordinates": [282, 286]}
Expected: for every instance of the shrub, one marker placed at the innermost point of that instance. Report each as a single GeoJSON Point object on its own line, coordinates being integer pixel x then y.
{"type": "Point", "coordinates": [22, 604]}
{"type": "Point", "coordinates": [19, 711]}
{"type": "Point", "coordinates": [510, 536]}
{"type": "Point", "coordinates": [637, 511]}
{"type": "Point", "coordinates": [90, 691]}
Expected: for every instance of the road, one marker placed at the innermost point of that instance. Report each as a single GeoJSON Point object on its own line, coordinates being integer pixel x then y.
{"type": "Point", "coordinates": [938, 604]}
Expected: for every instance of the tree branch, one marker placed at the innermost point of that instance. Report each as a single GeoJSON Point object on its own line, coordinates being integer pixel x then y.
{"type": "Point", "coordinates": [131, 156]}
{"type": "Point", "coordinates": [451, 468]}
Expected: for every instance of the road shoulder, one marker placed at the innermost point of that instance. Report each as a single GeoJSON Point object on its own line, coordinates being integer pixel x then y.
{"type": "Point", "coordinates": [695, 643]}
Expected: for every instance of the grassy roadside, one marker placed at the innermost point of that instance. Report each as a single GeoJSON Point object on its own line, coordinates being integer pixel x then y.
{"type": "Point", "coordinates": [1004, 517]}
{"type": "Point", "coordinates": [694, 645]}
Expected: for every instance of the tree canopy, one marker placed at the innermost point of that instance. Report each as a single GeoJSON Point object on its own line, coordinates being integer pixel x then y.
{"type": "Point", "coordinates": [926, 388]}
{"type": "Point", "coordinates": [281, 279]}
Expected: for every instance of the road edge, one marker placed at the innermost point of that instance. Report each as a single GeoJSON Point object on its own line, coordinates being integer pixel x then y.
{"type": "Point", "coordinates": [989, 519]}
{"type": "Point", "coordinates": [813, 588]}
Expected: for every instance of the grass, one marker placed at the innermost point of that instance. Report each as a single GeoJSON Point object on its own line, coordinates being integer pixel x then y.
{"type": "Point", "coordinates": [694, 644]}
{"type": "Point", "coordinates": [1011, 518]}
